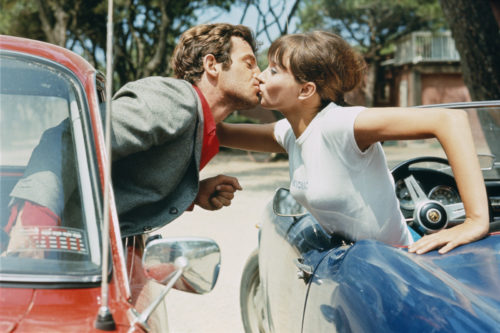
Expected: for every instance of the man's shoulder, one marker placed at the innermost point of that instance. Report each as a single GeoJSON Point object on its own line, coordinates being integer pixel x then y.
{"type": "Point", "coordinates": [158, 90]}
{"type": "Point", "coordinates": [160, 82]}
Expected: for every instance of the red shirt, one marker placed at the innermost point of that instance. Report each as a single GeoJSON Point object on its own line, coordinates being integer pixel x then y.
{"type": "Point", "coordinates": [210, 141]}
{"type": "Point", "coordinates": [210, 146]}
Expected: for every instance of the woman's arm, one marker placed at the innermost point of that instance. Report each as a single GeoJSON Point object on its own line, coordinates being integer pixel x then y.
{"type": "Point", "coordinates": [452, 129]}
{"type": "Point", "coordinates": [255, 137]}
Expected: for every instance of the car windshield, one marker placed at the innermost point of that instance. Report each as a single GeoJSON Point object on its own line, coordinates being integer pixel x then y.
{"type": "Point", "coordinates": [48, 210]}
{"type": "Point", "coordinates": [485, 125]}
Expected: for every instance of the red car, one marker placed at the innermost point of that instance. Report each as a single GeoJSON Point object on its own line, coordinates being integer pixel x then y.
{"type": "Point", "coordinates": [52, 280]}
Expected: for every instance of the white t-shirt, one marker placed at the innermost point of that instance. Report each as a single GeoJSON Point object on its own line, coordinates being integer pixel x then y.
{"type": "Point", "coordinates": [349, 191]}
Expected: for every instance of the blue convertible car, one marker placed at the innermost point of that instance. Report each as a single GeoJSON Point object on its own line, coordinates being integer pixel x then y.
{"type": "Point", "coordinates": [302, 279]}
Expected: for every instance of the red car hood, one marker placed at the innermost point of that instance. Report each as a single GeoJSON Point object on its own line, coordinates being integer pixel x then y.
{"type": "Point", "coordinates": [43, 310]}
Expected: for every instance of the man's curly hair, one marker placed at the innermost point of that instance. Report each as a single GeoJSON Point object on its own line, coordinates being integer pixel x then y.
{"type": "Point", "coordinates": [200, 40]}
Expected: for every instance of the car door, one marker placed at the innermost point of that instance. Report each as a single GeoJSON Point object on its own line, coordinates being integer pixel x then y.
{"type": "Point", "coordinates": [289, 249]}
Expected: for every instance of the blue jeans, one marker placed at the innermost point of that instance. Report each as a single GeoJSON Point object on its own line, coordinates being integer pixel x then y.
{"type": "Point", "coordinates": [414, 234]}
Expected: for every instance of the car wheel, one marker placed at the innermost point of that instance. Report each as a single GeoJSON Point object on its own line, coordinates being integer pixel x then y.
{"type": "Point", "coordinates": [251, 298]}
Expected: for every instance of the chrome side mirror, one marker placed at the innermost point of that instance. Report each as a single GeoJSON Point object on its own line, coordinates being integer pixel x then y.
{"type": "Point", "coordinates": [188, 264]}
{"type": "Point", "coordinates": [285, 205]}
{"type": "Point", "coordinates": [200, 258]}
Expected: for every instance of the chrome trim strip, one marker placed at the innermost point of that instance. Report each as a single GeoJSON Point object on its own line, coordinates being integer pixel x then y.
{"type": "Point", "coordinates": [85, 182]}
{"type": "Point", "coordinates": [461, 105]}
{"type": "Point", "coordinates": [28, 278]}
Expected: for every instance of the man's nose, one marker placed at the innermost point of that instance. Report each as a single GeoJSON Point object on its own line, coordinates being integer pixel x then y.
{"type": "Point", "coordinates": [258, 76]}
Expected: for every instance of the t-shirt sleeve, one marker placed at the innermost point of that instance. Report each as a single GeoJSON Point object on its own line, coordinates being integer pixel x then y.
{"type": "Point", "coordinates": [283, 133]}
{"type": "Point", "coordinates": [338, 130]}
{"type": "Point", "coordinates": [150, 112]}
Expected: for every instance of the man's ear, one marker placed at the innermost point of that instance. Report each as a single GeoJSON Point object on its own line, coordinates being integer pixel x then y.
{"type": "Point", "coordinates": [210, 65]}
{"type": "Point", "coordinates": [308, 90]}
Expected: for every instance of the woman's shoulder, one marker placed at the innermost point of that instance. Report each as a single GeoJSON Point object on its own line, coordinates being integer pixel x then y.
{"type": "Point", "coordinates": [283, 132]}
{"type": "Point", "coordinates": [334, 116]}
{"type": "Point", "coordinates": [334, 110]}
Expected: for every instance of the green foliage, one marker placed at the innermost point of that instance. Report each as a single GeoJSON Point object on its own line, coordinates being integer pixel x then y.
{"type": "Point", "coordinates": [236, 118]}
{"type": "Point", "coordinates": [373, 25]}
{"type": "Point", "coordinates": [19, 18]}
{"type": "Point", "coordinates": [145, 31]}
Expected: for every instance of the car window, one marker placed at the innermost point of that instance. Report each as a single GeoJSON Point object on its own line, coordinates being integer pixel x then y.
{"type": "Point", "coordinates": [48, 213]}
{"type": "Point", "coordinates": [485, 125]}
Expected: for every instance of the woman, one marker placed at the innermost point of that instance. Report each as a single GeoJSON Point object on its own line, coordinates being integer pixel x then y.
{"type": "Point", "coordinates": [337, 166]}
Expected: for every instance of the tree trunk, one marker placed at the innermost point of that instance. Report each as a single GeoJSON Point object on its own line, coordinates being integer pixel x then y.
{"type": "Point", "coordinates": [477, 39]}
{"type": "Point", "coordinates": [370, 83]}
{"type": "Point", "coordinates": [55, 32]}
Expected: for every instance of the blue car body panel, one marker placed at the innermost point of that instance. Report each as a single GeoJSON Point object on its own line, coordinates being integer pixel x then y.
{"type": "Point", "coordinates": [373, 287]}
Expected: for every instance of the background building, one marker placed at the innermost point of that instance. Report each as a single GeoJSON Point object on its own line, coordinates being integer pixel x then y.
{"type": "Point", "coordinates": [425, 69]}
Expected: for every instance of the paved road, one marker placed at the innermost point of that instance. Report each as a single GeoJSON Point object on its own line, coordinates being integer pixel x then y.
{"type": "Point", "coordinates": [233, 228]}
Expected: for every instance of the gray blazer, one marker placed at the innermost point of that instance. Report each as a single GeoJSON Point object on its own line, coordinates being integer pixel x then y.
{"type": "Point", "coordinates": [157, 136]}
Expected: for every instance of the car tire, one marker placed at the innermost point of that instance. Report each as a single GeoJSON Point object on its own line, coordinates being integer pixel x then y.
{"type": "Point", "coordinates": [251, 298]}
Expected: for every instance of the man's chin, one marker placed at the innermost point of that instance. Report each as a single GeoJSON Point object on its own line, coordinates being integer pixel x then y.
{"type": "Point", "coordinates": [249, 104]}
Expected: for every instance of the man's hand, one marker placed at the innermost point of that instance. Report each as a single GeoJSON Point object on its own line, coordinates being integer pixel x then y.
{"type": "Point", "coordinates": [216, 192]}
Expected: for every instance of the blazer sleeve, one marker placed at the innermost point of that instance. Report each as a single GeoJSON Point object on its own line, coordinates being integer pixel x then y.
{"type": "Point", "coordinates": [151, 112]}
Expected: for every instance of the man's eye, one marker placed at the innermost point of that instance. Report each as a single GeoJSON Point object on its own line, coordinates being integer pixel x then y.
{"type": "Point", "coordinates": [249, 64]}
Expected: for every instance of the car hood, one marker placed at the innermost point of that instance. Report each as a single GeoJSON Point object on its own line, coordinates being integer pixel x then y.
{"type": "Point", "coordinates": [14, 303]}
{"type": "Point", "coordinates": [371, 287]}
{"type": "Point", "coordinates": [43, 310]}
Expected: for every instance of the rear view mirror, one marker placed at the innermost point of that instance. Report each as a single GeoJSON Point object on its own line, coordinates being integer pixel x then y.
{"type": "Point", "coordinates": [285, 205]}
{"type": "Point", "coordinates": [200, 258]}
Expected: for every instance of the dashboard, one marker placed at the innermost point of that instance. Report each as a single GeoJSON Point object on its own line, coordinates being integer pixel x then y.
{"type": "Point", "coordinates": [441, 187]}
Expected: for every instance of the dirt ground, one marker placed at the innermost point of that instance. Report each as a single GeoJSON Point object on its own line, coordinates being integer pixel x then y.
{"type": "Point", "coordinates": [234, 229]}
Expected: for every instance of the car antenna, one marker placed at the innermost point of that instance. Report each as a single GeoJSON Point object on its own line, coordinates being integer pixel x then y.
{"type": "Point", "coordinates": [104, 320]}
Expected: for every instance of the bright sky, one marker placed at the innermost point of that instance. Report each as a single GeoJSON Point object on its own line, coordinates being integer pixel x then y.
{"type": "Point", "coordinates": [234, 16]}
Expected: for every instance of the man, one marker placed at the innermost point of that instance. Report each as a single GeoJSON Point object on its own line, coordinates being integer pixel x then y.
{"type": "Point", "coordinates": [163, 133]}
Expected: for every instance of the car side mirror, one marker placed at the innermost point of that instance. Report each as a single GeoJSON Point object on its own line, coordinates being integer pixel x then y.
{"type": "Point", "coordinates": [200, 258]}
{"type": "Point", "coordinates": [285, 205]}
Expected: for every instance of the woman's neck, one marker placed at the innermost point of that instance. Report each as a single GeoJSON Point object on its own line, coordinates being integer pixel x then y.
{"type": "Point", "coordinates": [299, 119]}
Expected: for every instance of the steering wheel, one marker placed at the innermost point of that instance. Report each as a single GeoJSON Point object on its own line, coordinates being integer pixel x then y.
{"type": "Point", "coordinates": [428, 215]}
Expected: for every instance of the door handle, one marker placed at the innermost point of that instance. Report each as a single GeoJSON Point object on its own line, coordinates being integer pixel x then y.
{"type": "Point", "coordinates": [304, 271]}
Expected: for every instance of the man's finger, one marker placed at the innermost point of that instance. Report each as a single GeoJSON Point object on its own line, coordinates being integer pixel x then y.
{"type": "Point", "coordinates": [226, 195]}
{"type": "Point", "coordinates": [223, 179]}
{"type": "Point", "coordinates": [223, 200]}
{"type": "Point", "coordinates": [219, 202]}
{"type": "Point", "coordinates": [215, 203]}
{"type": "Point", "coordinates": [225, 188]}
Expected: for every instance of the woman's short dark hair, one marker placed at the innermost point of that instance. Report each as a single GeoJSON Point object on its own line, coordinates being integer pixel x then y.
{"type": "Point", "coordinates": [323, 58]}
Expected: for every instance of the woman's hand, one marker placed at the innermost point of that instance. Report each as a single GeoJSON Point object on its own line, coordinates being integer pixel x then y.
{"type": "Point", "coordinates": [448, 239]}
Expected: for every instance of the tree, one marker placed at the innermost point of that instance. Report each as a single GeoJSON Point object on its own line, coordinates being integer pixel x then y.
{"type": "Point", "coordinates": [271, 15]}
{"type": "Point", "coordinates": [145, 31]}
{"type": "Point", "coordinates": [477, 38]}
{"type": "Point", "coordinates": [373, 26]}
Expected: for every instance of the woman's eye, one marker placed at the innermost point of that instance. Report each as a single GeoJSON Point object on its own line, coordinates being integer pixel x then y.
{"type": "Point", "coordinates": [273, 71]}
